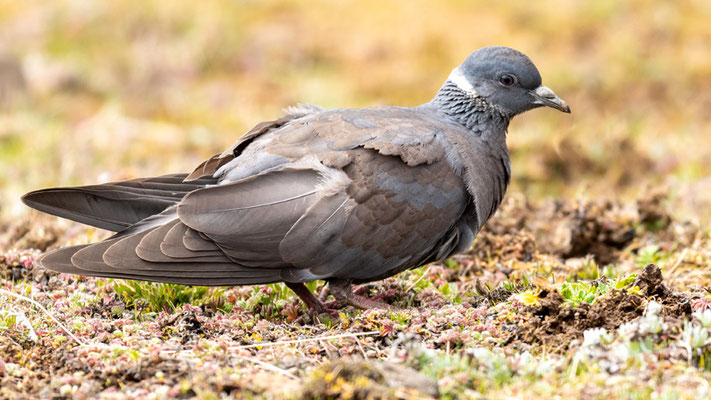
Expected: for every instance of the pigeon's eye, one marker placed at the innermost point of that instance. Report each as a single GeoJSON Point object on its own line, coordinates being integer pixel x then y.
{"type": "Point", "coordinates": [507, 80]}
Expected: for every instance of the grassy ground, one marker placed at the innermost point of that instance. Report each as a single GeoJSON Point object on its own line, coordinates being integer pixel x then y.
{"type": "Point", "coordinates": [552, 300]}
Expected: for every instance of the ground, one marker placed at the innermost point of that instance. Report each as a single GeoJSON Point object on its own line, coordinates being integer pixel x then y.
{"type": "Point", "coordinates": [517, 316]}
{"type": "Point", "coordinates": [592, 281]}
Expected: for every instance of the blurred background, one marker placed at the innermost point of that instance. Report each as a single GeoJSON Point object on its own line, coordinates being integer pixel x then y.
{"type": "Point", "coordinates": [96, 91]}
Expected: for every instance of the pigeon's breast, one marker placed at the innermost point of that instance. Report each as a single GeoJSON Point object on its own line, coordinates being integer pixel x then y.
{"type": "Point", "coordinates": [485, 168]}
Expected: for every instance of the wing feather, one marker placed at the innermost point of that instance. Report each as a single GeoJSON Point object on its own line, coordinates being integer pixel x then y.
{"type": "Point", "coordinates": [116, 205]}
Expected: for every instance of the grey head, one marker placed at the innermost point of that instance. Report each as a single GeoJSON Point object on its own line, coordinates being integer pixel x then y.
{"type": "Point", "coordinates": [500, 79]}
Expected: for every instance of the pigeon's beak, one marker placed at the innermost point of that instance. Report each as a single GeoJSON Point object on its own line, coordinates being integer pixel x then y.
{"type": "Point", "coordinates": [544, 96]}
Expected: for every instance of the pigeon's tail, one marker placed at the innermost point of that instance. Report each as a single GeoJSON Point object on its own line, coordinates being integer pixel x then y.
{"type": "Point", "coordinates": [115, 206]}
{"type": "Point", "coordinates": [155, 255]}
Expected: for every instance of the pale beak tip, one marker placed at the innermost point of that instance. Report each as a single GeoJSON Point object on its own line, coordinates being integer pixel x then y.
{"type": "Point", "coordinates": [546, 97]}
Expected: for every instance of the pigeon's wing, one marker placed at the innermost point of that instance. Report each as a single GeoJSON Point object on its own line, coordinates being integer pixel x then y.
{"type": "Point", "coordinates": [248, 219]}
{"type": "Point", "coordinates": [390, 217]}
{"type": "Point", "coordinates": [372, 218]}
{"type": "Point", "coordinates": [393, 139]}
{"type": "Point", "coordinates": [326, 142]}
{"type": "Point", "coordinates": [116, 205]}
{"type": "Point", "coordinates": [101, 260]}
{"type": "Point", "coordinates": [214, 163]}
{"type": "Point", "coordinates": [486, 170]}
{"type": "Point", "coordinates": [218, 235]}
{"type": "Point", "coordinates": [401, 132]}
{"type": "Point", "coordinates": [156, 255]}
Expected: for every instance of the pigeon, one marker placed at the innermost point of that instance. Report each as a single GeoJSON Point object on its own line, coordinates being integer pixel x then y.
{"type": "Point", "coordinates": [347, 196]}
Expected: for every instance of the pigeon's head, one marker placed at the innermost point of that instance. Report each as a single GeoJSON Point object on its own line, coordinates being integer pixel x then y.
{"type": "Point", "coordinates": [506, 79]}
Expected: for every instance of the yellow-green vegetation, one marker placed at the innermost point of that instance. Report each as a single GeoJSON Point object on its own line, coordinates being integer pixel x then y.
{"type": "Point", "coordinates": [575, 293]}
{"type": "Point", "coordinates": [148, 296]}
{"type": "Point", "coordinates": [555, 297]}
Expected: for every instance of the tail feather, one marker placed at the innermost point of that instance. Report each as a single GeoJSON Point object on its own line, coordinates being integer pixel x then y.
{"type": "Point", "coordinates": [152, 244]}
{"type": "Point", "coordinates": [173, 244]}
{"type": "Point", "coordinates": [117, 258]}
{"type": "Point", "coordinates": [60, 260]}
{"type": "Point", "coordinates": [114, 206]}
{"type": "Point", "coordinates": [151, 248]}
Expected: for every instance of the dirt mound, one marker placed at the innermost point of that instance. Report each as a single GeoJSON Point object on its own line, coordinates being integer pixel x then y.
{"type": "Point", "coordinates": [556, 325]}
{"type": "Point", "coordinates": [521, 230]}
{"type": "Point", "coordinates": [650, 282]}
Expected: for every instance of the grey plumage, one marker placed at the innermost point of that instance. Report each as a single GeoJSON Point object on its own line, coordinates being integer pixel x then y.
{"type": "Point", "coordinates": [345, 195]}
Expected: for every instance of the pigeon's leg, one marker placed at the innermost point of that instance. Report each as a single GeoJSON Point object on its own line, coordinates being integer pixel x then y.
{"type": "Point", "coordinates": [323, 293]}
{"type": "Point", "coordinates": [341, 290]}
{"type": "Point", "coordinates": [311, 301]}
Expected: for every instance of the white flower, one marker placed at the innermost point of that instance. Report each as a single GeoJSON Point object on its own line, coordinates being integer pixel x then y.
{"type": "Point", "coordinates": [653, 309]}
{"type": "Point", "coordinates": [694, 335]}
{"type": "Point", "coordinates": [596, 336]}
{"type": "Point", "coordinates": [627, 330]}
{"type": "Point", "coordinates": [621, 351]}
{"type": "Point", "coordinates": [704, 317]}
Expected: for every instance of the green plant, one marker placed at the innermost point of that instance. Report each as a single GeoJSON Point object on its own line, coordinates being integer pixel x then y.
{"type": "Point", "coordinates": [16, 322]}
{"type": "Point", "coordinates": [450, 263]}
{"type": "Point", "coordinates": [624, 282]}
{"type": "Point", "coordinates": [588, 271]}
{"type": "Point", "coordinates": [479, 371]}
{"type": "Point", "coordinates": [8, 320]}
{"type": "Point", "coordinates": [575, 293]}
{"type": "Point", "coordinates": [648, 255]}
{"type": "Point", "coordinates": [419, 279]}
{"type": "Point", "coordinates": [268, 301]}
{"type": "Point", "coordinates": [150, 296]}
{"type": "Point", "coordinates": [517, 285]}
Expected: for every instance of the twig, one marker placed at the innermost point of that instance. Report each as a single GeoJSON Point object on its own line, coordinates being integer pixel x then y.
{"type": "Point", "coordinates": [265, 344]}
{"type": "Point", "coordinates": [269, 367]}
{"type": "Point", "coordinates": [41, 307]}
{"type": "Point", "coordinates": [266, 365]}
{"type": "Point", "coordinates": [676, 265]}
{"type": "Point", "coordinates": [412, 285]}
{"type": "Point", "coordinates": [362, 350]}
{"type": "Point", "coordinates": [22, 320]}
